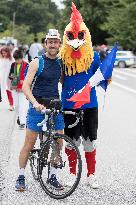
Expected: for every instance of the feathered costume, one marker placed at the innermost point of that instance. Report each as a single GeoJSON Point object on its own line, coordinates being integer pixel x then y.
{"type": "Point", "coordinates": [81, 74]}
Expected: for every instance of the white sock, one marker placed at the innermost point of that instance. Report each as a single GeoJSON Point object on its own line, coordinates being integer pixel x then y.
{"type": "Point", "coordinates": [21, 171]}
{"type": "Point", "coordinates": [53, 170]}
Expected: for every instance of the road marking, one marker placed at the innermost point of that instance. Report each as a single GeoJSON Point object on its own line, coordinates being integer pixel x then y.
{"type": "Point", "coordinates": [124, 87]}
{"type": "Point", "coordinates": [131, 70]}
{"type": "Point", "coordinates": [119, 77]}
{"type": "Point", "coordinates": [123, 73]}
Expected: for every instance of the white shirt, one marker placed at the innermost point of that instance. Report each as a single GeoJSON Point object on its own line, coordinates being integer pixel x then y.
{"type": "Point", "coordinates": [34, 49]}
{"type": "Point", "coordinates": [5, 65]}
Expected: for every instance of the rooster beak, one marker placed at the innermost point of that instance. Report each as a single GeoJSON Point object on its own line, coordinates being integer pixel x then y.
{"type": "Point", "coordinates": [75, 44]}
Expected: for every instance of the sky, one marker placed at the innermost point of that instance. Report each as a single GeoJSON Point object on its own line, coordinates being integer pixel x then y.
{"type": "Point", "coordinates": [58, 3]}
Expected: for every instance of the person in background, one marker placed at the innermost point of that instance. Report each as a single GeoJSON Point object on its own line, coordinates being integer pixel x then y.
{"type": "Point", "coordinates": [40, 53]}
{"type": "Point", "coordinates": [26, 53]}
{"type": "Point", "coordinates": [103, 52]}
{"type": "Point", "coordinates": [16, 76]}
{"type": "Point", "coordinates": [5, 63]}
{"type": "Point", "coordinates": [12, 47]}
{"type": "Point", "coordinates": [24, 49]}
{"type": "Point", "coordinates": [35, 48]}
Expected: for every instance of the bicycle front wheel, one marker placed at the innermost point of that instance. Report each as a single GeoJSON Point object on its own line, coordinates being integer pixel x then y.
{"type": "Point", "coordinates": [62, 160]}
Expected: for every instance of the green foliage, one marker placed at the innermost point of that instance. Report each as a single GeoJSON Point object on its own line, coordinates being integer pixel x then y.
{"type": "Point", "coordinates": [107, 20]}
{"type": "Point", "coordinates": [4, 22]}
{"type": "Point", "coordinates": [121, 24]}
{"type": "Point", "coordinates": [94, 13]}
{"type": "Point", "coordinates": [6, 33]}
{"type": "Point", "coordinates": [31, 16]}
{"type": "Point", "coordinates": [23, 35]}
{"type": "Point", "coordinates": [65, 14]}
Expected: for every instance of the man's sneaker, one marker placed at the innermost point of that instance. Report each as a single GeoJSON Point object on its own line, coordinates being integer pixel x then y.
{"type": "Point", "coordinates": [20, 183]}
{"type": "Point", "coordinates": [22, 126]}
{"type": "Point", "coordinates": [92, 182]}
{"type": "Point", "coordinates": [54, 183]}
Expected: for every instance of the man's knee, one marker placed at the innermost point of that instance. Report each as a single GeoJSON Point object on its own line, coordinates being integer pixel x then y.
{"type": "Point", "coordinates": [30, 140]}
{"type": "Point", "coordinates": [60, 132]}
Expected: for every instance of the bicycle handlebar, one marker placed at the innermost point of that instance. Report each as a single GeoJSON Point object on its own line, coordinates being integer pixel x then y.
{"type": "Point", "coordinates": [77, 118]}
{"type": "Point", "coordinates": [75, 123]}
{"type": "Point", "coordinates": [46, 111]}
{"type": "Point", "coordinates": [49, 111]}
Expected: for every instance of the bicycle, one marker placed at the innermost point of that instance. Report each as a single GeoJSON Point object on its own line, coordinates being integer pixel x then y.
{"type": "Point", "coordinates": [41, 159]}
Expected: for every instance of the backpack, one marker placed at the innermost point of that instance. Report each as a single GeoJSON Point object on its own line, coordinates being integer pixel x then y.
{"type": "Point", "coordinates": [40, 68]}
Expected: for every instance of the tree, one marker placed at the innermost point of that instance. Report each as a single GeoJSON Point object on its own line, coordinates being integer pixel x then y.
{"type": "Point", "coordinates": [4, 22]}
{"type": "Point", "coordinates": [121, 24]}
{"type": "Point", "coordinates": [36, 14]}
{"type": "Point", "coordinates": [65, 14]}
{"type": "Point", "coordinates": [94, 13]}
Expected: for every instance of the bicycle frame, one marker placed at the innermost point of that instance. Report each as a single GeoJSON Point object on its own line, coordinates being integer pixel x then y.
{"type": "Point", "coordinates": [49, 154]}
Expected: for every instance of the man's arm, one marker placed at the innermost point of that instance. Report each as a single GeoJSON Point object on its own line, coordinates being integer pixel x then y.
{"type": "Point", "coordinates": [33, 67]}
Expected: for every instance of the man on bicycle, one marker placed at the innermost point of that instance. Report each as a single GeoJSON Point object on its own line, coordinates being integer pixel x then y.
{"type": "Point", "coordinates": [41, 82]}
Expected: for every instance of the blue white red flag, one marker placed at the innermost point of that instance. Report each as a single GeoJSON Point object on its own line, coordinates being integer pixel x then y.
{"type": "Point", "coordinates": [101, 77]}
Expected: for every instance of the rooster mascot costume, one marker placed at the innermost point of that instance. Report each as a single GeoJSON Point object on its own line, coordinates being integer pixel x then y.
{"type": "Point", "coordinates": [80, 63]}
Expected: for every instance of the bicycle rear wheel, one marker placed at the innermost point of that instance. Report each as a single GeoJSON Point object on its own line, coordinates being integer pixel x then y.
{"type": "Point", "coordinates": [68, 180]}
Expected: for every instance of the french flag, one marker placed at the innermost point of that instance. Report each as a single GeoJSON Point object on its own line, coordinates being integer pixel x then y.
{"type": "Point", "coordinates": [101, 77]}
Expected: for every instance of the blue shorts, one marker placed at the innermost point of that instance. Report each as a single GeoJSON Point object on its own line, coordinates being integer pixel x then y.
{"type": "Point", "coordinates": [34, 117]}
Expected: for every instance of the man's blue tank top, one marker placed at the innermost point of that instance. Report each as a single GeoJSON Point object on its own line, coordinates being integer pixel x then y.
{"type": "Point", "coordinates": [46, 84]}
{"type": "Point", "coordinates": [74, 83]}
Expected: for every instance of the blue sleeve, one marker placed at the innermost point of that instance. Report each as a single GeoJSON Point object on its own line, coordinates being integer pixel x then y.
{"type": "Point", "coordinates": [41, 64]}
{"type": "Point", "coordinates": [40, 68]}
{"type": "Point", "coordinates": [96, 61]}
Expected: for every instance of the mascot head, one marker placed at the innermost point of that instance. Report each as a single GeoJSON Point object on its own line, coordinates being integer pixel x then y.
{"type": "Point", "coordinates": [76, 51]}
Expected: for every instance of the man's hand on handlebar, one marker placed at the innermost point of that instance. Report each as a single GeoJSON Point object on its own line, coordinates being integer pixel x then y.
{"type": "Point", "coordinates": [38, 106]}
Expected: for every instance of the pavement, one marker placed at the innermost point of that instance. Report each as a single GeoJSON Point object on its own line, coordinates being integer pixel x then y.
{"type": "Point", "coordinates": [116, 162]}
{"type": "Point", "coordinates": [7, 121]}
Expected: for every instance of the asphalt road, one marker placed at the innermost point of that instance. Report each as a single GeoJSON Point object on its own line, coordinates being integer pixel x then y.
{"type": "Point", "coordinates": [125, 78]}
{"type": "Point", "coordinates": [116, 151]}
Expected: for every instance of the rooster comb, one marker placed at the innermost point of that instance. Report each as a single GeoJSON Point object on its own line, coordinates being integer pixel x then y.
{"type": "Point", "coordinates": [76, 19]}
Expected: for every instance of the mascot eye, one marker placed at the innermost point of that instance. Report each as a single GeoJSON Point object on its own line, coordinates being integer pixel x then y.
{"type": "Point", "coordinates": [70, 36]}
{"type": "Point", "coordinates": [80, 35]}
